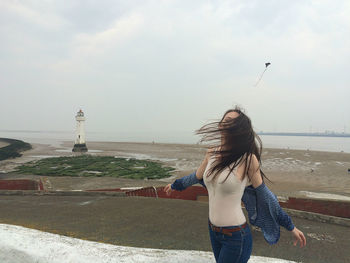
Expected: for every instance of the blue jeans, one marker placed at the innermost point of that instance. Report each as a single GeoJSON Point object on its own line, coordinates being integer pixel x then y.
{"type": "Point", "coordinates": [234, 249]}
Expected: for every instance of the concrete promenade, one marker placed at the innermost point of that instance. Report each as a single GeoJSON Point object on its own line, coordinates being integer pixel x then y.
{"type": "Point", "coordinates": [160, 223]}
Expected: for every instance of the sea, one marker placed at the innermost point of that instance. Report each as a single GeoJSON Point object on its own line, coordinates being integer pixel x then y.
{"type": "Point", "coordinates": [55, 138]}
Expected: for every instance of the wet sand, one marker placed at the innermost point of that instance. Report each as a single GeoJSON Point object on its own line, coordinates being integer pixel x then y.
{"type": "Point", "coordinates": [3, 144]}
{"type": "Point", "coordinates": [293, 172]}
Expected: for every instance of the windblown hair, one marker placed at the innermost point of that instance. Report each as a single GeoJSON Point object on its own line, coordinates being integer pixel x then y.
{"type": "Point", "coordinates": [240, 142]}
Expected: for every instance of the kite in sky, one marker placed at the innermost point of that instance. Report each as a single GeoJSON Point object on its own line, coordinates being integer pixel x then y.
{"type": "Point", "coordinates": [262, 74]}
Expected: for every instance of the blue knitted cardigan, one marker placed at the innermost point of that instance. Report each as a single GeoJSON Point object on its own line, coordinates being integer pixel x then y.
{"type": "Point", "coordinates": [261, 204]}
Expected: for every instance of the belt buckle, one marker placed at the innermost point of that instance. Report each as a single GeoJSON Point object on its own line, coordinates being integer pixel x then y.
{"type": "Point", "coordinates": [231, 230]}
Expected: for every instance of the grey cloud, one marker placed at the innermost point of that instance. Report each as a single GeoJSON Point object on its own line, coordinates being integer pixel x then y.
{"type": "Point", "coordinates": [156, 65]}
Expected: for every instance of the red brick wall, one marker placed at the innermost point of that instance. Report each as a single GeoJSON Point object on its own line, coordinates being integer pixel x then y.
{"type": "Point", "coordinates": [332, 208]}
{"type": "Point", "coordinates": [190, 193]}
{"type": "Point", "coordinates": [22, 184]}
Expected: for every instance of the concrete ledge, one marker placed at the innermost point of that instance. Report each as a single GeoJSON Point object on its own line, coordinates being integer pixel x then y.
{"type": "Point", "coordinates": [318, 217]}
{"type": "Point", "coordinates": [60, 193]}
{"type": "Point", "coordinates": [297, 213]}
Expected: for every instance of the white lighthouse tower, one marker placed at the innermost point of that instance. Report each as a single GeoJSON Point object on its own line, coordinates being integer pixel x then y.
{"type": "Point", "coordinates": [80, 145]}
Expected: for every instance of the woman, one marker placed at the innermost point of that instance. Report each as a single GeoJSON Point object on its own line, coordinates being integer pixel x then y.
{"type": "Point", "coordinates": [231, 172]}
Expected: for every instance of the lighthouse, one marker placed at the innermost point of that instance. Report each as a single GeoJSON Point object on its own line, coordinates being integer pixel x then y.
{"type": "Point", "coordinates": [80, 145]}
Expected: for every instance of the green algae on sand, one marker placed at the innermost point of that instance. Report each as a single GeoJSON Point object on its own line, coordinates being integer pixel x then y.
{"type": "Point", "coordinates": [87, 165]}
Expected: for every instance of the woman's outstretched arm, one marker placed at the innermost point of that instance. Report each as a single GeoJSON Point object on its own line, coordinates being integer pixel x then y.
{"type": "Point", "coordinates": [191, 179]}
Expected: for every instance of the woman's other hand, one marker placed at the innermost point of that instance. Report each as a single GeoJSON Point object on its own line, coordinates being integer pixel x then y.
{"type": "Point", "coordinates": [168, 189]}
{"type": "Point", "coordinates": [298, 236]}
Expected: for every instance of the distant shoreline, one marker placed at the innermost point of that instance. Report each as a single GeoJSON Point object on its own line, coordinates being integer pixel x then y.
{"type": "Point", "coordinates": [330, 142]}
{"type": "Point", "coordinates": [343, 135]}
{"type": "Point", "coordinates": [308, 134]}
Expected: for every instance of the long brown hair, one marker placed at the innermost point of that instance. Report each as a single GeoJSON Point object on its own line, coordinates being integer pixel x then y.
{"type": "Point", "coordinates": [239, 144]}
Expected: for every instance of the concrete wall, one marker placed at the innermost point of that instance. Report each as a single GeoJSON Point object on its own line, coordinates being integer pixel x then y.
{"type": "Point", "coordinates": [325, 207]}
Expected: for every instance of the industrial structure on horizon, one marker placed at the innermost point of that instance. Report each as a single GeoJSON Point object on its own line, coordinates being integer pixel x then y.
{"type": "Point", "coordinates": [309, 134]}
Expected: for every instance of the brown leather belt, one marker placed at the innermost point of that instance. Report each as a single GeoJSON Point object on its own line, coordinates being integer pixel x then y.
{"type": "Point", "coordinates": [226, 231]}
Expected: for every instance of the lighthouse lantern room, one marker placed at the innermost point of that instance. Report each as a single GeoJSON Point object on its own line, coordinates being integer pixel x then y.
{"type": "Point", "coordinates": [80, 145]}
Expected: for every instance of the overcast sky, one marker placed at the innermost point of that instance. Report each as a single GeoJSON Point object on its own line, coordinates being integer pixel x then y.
{"type": "Point", "coordinates": [171, 66]}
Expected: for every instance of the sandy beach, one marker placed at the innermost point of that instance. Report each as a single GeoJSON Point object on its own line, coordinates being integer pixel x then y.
{"type": "Point", "coordinates": [3, 144]}
{"type": "Point", "coordinates": [292, 172]}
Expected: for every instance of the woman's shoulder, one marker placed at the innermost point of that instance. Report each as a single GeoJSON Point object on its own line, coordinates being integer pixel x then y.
{"type": "Point", "coordinates": [254, 171]}
{"type": "Point", "coordinates": [253, 160]}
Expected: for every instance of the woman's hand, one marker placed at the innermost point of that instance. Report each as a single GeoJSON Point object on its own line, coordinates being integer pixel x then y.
{"type": "Point", "coordinates": [298, 236]}
{"type": "Point", "coordinates": [168, 189]}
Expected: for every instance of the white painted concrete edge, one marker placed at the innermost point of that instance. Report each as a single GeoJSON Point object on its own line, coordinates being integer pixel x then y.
{"type": "Point", "coordinates": [20, 244]}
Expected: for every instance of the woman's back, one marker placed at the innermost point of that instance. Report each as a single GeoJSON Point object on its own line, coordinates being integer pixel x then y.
{"type": "Point", "coordinates": [224, 196]}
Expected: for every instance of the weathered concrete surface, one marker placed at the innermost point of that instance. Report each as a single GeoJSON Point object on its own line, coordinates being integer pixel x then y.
{"type": "Point", "coordinates": [160, 223]}
{"type": "Point", "coordinates": [24, 245]}
{"type": "Point", "coordinates": [292, 212]}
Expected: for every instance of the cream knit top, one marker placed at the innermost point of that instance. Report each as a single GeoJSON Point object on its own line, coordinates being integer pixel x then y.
{"type": "Point", "coordinates": [225, 198]}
